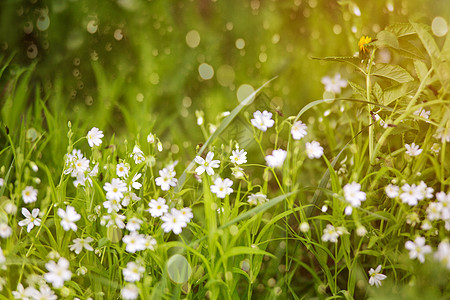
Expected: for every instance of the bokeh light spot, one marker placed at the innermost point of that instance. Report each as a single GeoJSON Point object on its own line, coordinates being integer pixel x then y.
{"type": "Point", "coordinates": [206, 71]}
{"type": "Point", "coordinates": [193, 38]}
{"type": "Point", "coordinates": [244, 91]}
{"type": "Point", "coordinates": [439, 26]}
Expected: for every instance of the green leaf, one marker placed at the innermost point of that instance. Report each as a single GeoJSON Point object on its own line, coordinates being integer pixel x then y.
{"type": "Point", "coordinates": [378, 92]}
{"type": "Point", "coordinates": [403, 29]}
{"type": "Point", "coordinates": [354, 61]}
{"type": "Point", "coordinates": [219, 130]}
{"type": "Point", "coordinates": [392, 72]}
{"type": "Point", "coordinates": [357, 89]}
{"type": "Point", "coordinates": [387, 38]}
{"type": "Point", "coordinates": [428, 42]}
{"type": "Point", "coordinates": [395, 92]}
{"type": "Point", "coordinates": [421, 69]}
{"type": "Point", "coordinates": [408, 49]}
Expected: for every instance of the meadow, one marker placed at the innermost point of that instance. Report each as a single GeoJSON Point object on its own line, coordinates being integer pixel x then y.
{"type": "Point", "coordinates": [224, 150]}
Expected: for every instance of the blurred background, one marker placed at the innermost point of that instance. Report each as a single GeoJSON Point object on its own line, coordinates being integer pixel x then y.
{"type": "Point", "coordinates": [126, 65]}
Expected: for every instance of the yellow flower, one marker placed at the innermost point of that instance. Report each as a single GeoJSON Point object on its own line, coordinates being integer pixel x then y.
{"type": "Point", "coordinates": [363, 41]}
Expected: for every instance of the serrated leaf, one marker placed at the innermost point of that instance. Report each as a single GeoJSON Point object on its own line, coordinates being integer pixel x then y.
{"type": "Point", "coordinates": [421, 69]}
{"type": "Point", "coordinates": [404, 29]}
{"type": "Point", "coordinates": [395, 92]}
{"type": "Point", "coordinates": [354, 61]}
{"type": "Point", "coordinates": [401, 128]}
{"type": "Point", "coordinates": [407, 49]}
{"type": "Point", "coordinates": [378, 92]}
{"type": "Point", "coordinates": [393, 72]}
{"type": "Point", "coordinates": [428, 42]}
{"type": "Point", "coordinates": [357, 89]}
{"type": "Point", "coordinates": [387, 38]}
{"type": "Point", "coordinates": [445, 51]}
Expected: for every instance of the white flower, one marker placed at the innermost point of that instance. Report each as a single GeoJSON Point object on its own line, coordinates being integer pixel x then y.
{"type": "Point", "coordinates": [298, 130]}
{"type": "Point", "coordinates": [206, 164]}
{"type": "Point", "coordinates": [24, 293]}
{"type": "Point", "coordinates": [158, 207]}
{"type": "Point", "coordinates": [5, 230]}
{"type": "Point", "coordinates": [434, 211]}
{"type": "Point", "coordinates": [324, 208]}
{"type": "Point", "coordinates": [10, 208]}
{"type": "Point", "coordinates": [112, 205]}
{"type": "Point", "coordinates": [422, 113]}
{"type": "Point", "coordinates": [134, 241]}
{"type": "Point", "coordinates": [376, 277]}
{"type": "Point", "coordinates": [115, 189]}
{"type": "Point", "coordinates": [427, 192]}
{"type": "Point", "coordinates": [413, 149]}
{"type": "Point", "coordinates": [29, 194]}
{"type": "Point", "coordinates": [353, 194]}
{"type": "Point", "coordinates": [222, 188]}
{"type": "Point", "coordinates": [129, 292]}
{"type": "Point", "coordinates": [151, 138]}
{"type": "Point", "coordinates": [2, 259]}
{"type": "Point", "coordinates": [150, 242]}
{"type": "Point", "coordinates": [137, 155]}
{"type": "Point", "coordinates": [276, 159]}
{"type": "Point", "coordinates": [45, 292]}
{"type": "Point", "coordinates": [31, 219]}
{"type": "Point", "coordinates": [128, 197]}
{"type": "Point", "coordinates": [443, 134]}
{"type": "Point", "coordinates": [81, 165]}
{"type": "Point", "coordinates": [410, 194]}
{"type": "Point", "coordinates": [2, 182]}
{"type": "Point", "coordinates": [418, 249]}
{"type": "Point", "coordinates": [238, 172]}
{"type": "Point", "coordinates": [173, 221]}
{"type": "Point", "coordinates": [167, 179]}
{"type": "Point", "coordinates": [304, 227]}
{"type": "Point", "coordinates": [258, 198]}
{"type": "Point", "coordinates": [334, 84]}
{"type": "Point", "coordinates": [444, 199]}
{"type": "Point", "coordinates": [348, 210]}
{"type": "Point", "coordinates": [94, 137]}
{"type": "Point", "coordinates": [122, 170]}
{"type": "Point", "coordinates": [80, 243]}
{"type": "Point", "coordinates": [330, 234]}
{"type": "Point", "coordinates": [361, 230]}
{"type": "Point", "coordinates": [443, 253]}
{"type": "Point", "coordinates": [238, 157]}
{"type": "Point", "coordinates": [68, 218]}
{"type": "Point", "coordinates": [426, 225]}
{"type": "Point", "coordinates": [133, 272]}
{"type": "Point", "coordinates": [314, 150]}
{"type": "Point", "coordinates": [134, 182]}
{"type": "Point", "coordinates": [186, 212]}
{"type": "Point", "coordinates": [134, 224]}
{"type": "Point", "coordinates": [392, 191]}
{"type": "Point", "coordinates": [58, 272]}
{"type": "Point", "coordinates": [113, 219]}
{"type": "Point", "coordinates": [262, 120]}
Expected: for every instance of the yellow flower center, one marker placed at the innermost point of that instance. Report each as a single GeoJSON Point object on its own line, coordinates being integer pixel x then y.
{"type": "Point", "coordinates": [363, 41]}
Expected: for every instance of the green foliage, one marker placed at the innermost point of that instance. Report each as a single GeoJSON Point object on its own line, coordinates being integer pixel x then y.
{"type": "Point", "coordinates": [300, 240]}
